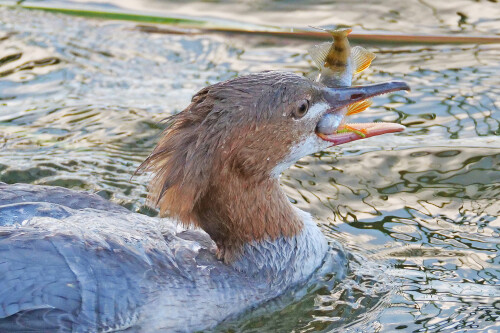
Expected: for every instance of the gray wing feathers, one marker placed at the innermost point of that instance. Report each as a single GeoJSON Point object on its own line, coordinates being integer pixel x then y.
{"type": "Point", "coordinates": [37, 320]}
{"type": "Point", "coordinates": [59, 280]}
{"type": "Point", "coordinates": [36, 283]}
{"type": "Point", "coordinates": [21, 193]}
{"type": "Point", "coordinates": [16, 213]}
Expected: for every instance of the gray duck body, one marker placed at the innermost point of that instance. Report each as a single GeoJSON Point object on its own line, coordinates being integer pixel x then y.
{"type": "Point", "coordinates": [74, 262]}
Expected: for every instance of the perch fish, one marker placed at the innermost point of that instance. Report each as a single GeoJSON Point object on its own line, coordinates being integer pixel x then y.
{"type": "Point", "coordinates": [338, 63]}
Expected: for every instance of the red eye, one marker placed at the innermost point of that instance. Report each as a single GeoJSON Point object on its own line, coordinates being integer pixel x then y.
{"type": "Point", "coordinates": [301, 109]}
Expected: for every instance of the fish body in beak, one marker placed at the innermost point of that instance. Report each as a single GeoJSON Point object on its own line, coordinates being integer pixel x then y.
{"type": "Point", "coordinates": [338, 63]}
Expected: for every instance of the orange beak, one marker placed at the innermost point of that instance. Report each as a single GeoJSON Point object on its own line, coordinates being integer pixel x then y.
{"type": "Point", "coordinates": [361, 131]}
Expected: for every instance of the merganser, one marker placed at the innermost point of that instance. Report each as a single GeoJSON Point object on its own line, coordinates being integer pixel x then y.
{"type": "Point", "coordinates": [71, 261]}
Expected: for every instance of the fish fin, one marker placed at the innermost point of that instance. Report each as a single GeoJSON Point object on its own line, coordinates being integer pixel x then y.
{"type": "Point", "coordinates": [346, 129]}
{"type": "Point", "coordinates": [362, 58]}
{"type": "Point", "coordinates": [319, 53]}
{"type": "Point", "coordinates": [359, 107]}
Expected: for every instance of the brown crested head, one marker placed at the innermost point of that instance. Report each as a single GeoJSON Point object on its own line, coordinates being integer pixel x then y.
{"type": "Point", "coordinates": [217, 164]}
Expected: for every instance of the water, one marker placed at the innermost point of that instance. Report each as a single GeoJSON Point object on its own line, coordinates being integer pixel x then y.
{"type": "Point", "coordinates": [80, 106]}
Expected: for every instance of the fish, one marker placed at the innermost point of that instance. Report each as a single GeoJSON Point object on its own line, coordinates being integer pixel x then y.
{"type": "Point", "coordinates": [338, 63]}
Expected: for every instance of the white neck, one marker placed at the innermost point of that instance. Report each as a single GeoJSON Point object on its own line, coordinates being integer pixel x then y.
{"type": "Point", "coordinates": [286, 260]}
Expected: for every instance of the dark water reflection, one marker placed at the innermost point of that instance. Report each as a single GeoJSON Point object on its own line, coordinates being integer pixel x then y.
{"type": "Point", "coordinates": [80, 105]}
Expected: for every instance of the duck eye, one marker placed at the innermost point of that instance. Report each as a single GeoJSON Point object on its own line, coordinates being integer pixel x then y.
{"type": "Point", "coordinates": [301, 109]}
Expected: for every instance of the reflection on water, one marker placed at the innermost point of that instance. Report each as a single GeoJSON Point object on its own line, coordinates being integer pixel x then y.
{"type": "Point", "coordinates": [81, 102]}
{"type": "Point", "coordinates": [417, 16]}
{"type": "Point", "coordinates": [432, 212]}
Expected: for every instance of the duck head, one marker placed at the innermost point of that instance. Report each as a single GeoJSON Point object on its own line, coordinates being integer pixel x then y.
{"type": "Point", "coordinates": [217, 164]}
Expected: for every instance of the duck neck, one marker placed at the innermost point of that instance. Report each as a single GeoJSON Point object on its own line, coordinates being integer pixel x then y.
{"type": "Point", "coordinates": [285, 261]}
{"type": "Point", "coordinates": [236, 212]}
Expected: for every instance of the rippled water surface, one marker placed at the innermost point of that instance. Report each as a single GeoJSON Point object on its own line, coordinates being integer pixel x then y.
{"type": "Point", "coordinates": [80, 106]}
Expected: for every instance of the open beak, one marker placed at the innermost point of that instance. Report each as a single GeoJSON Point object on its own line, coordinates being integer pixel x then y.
{"type": "Point", "coordinates": [329, 127]}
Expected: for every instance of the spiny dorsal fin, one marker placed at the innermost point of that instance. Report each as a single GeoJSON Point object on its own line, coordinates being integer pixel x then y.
{"type": "Point", "coordinates": [359, 107]}
{"type": "Point", "coordinates": [319, 53]}
{"type": "Point", "coordinates": [362, 58]}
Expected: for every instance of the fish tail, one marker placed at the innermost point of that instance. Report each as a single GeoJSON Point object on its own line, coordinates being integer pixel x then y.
{"type": "Point", "coordinates": [340, 33]}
